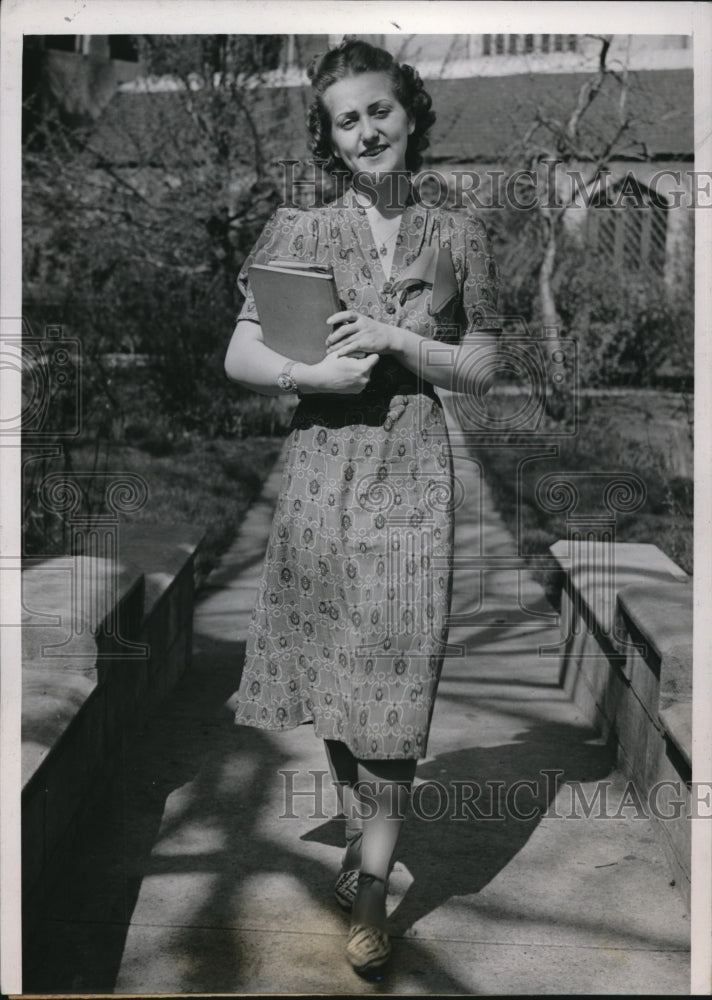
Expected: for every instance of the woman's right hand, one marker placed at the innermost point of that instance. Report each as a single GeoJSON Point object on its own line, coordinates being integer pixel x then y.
{"type": "Point", "coordinates": [339, 374]}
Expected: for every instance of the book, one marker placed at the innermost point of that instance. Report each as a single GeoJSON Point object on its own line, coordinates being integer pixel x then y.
{"type": "Point", "coordinates": [293, 301]}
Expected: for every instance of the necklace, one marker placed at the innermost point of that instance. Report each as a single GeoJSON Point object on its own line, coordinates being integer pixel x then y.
{"type": "Point", "coordinates": [383, 249]}
{"type": "Point", "coordinates": [378, 229]}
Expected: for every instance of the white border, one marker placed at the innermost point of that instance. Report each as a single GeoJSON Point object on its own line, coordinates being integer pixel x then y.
{"type": "Point", "coordinates": [18, 17]}
{"type": "Point", "coordinates": [701, 898]}
{"type": "Point", "coordinates": [10, 519]}
{"type": "Point", "coordinates": [323, 16]}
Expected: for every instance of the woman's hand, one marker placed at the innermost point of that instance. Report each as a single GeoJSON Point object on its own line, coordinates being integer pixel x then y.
{"type": "Point", "coordinates": [335, 373]}
{"type": "Point", "coordinates": [359, 333]}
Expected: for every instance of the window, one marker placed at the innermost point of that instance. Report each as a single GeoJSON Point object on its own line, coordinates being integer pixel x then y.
{"type": "Point", "coordinates": [572, 43]}
{"type": "Point", "coordinates": [525, 44]}
{"type": "Point", "coordinates": [62, 43]}
{"type": "Point", "coordinates": [123, 47]}
{"type": "Point", "coordinates": [629, 226]}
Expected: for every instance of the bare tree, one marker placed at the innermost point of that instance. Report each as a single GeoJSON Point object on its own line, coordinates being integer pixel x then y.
{"type": "Point", "coordinates": [136, 224]}
{"type": "Point", "coordinates": [561, 139]}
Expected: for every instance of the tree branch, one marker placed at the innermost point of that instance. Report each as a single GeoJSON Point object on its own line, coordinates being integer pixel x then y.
{"type": "Point", "coordinates": [589, 90]}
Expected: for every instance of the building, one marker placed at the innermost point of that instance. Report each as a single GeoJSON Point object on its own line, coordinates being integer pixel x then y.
{"type": "Point", "coordinates": [488, 91]}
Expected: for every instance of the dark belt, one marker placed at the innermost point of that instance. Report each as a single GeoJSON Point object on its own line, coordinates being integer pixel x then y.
{"type": "Point", "coordinates": [369, 407]}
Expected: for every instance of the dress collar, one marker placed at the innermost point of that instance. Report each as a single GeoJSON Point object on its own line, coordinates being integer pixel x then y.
{"type": "Point", "coordinates": [414, 232]}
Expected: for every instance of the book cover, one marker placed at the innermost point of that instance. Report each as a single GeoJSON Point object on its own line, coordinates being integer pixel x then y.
{"type": "Point", "coordinates": [293, 301]}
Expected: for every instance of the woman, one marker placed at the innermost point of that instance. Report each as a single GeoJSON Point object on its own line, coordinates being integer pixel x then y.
{"type": "Point", "coordinates": [350, 624]}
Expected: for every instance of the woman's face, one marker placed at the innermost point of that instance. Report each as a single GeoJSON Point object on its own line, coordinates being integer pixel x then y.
{"type": "Point", "coordinates": [369, 127]}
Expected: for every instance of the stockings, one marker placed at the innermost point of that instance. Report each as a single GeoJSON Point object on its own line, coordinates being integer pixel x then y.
{"type": "Point", "coordinates": [344, 773]}
{"type": "Point", "coordinates": [373, 796]}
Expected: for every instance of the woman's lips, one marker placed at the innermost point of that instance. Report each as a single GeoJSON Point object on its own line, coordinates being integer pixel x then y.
{"type": "Point", "coordinates": [376, 151]}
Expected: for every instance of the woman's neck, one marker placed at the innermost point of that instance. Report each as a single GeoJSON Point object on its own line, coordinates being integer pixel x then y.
{"type": "Point", "coordinates": [385, 196]}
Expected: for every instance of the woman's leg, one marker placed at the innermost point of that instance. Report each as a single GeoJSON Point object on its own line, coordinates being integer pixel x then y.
{"type": "Point", "coordinates": [344, 772]}
{"type": "Point", "coordinates": [383, 793]}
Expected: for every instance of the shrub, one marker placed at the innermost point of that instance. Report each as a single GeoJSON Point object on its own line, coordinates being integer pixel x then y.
{"type": "Point", "coordinates": [602, 445]}
{"type": "Point", "coordinates": [631, 328]}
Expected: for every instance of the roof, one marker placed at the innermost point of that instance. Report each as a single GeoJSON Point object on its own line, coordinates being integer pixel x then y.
{"type": "Point", "coordinates": [479, 119]}
{"type": "Point", "coordinates": [482, 118]}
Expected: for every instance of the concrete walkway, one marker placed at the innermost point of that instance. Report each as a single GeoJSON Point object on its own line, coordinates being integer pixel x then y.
{"type": "Point", "coordinates": [190, 881]}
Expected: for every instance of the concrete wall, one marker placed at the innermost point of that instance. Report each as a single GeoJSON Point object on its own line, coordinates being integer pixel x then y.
{"type": "Point", "coordinates": [626, 661]}
{"type": "Point", "coordinates": [92, 672]}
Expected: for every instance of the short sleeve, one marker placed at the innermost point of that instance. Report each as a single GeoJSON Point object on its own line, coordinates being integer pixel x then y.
{"type": "Point", "coordinates": [480, 285]}
{"type": "Point", "coordinates": [287, 233]}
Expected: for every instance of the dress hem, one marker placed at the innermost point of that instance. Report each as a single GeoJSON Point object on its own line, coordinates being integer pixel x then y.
{"type": "Point", "coordinates": [330, 736]}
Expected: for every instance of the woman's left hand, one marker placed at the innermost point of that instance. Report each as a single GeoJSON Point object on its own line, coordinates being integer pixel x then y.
{"type": "Point", "coordinates": [359, 333]}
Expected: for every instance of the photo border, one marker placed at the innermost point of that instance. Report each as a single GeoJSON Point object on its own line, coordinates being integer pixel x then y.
{"type": "Point", "coordinates": [18, 17]}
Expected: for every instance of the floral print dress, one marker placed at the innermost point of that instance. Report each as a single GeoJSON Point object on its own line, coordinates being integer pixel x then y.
{"type": "Point", "coordinates": [350, 625]}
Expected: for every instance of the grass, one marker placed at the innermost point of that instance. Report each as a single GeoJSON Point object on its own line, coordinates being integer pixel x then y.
{"type": "Point", "coordinates": [605, 444]}
{"type": "Point", "coordinates": [202, 471]}
{"type": "Point", "coordinates": [208, 483]}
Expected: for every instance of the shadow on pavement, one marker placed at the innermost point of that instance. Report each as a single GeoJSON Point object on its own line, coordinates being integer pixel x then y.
{"type": "Point", "coordinates": [477, 822]}
{"type": "Point", "coordinates": [472, 843]}
{"type": "Point", "coordinates": [79, 945]}
{"type": "Point", "coordinates": [224, 778]}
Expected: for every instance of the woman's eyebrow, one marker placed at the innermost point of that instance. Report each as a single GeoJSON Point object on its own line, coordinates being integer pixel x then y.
{"type": "Point", "coordinates": [353, 111]}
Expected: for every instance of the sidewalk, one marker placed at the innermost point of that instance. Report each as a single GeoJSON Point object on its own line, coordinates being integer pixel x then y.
{"type": "Point", "coordinates": [190, 882]}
